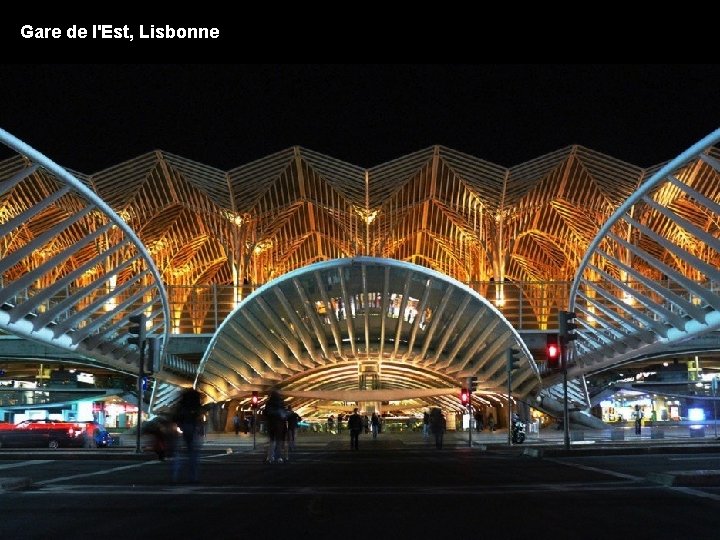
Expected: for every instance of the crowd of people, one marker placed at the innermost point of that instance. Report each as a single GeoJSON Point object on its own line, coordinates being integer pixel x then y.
{"type": "Point", "coordinates": [178, 435]}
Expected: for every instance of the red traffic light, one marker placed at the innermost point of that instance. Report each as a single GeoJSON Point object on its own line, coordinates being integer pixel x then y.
{"type": "Point", "coordinates": [254, 400]}
{"type": "Point", "coordinates": [464, 396]}
{"type": "Point", "coordinates": [552, 351]}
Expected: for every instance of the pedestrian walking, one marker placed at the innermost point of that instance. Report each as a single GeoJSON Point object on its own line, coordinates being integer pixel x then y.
{"type": "Point", "coordinates": [491, 422]}
{"type": "Point", "coordinates": [478, 421]}
{"type": "Point", "coordinates": [236, 423]}
{"type": "Point", "coordinates": [275, 417]}
{"type": "Point", "coordinates": [437, 426]}
{"type": "Point", "coordinates": [375, 425]}
{"type": "Point", "coordinates": [188, 417]}
{"type": "Point", "coordinates": [293, 419]}
{"type": "Point", "coordinates": [426, 424]}
{"type": "Point", "coordinates": [355, 425]}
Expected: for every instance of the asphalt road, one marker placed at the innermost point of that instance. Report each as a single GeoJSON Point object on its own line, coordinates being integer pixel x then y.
{"type": "Point", "coordinates": [390, 488]}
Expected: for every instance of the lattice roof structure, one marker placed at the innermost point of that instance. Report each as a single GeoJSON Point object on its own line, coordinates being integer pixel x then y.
{"type": "Point", "coordinates": [457, 214]}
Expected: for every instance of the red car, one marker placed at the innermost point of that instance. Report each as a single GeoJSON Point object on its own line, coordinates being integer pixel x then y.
{"type": "Point", "coordinates": [42, 434]}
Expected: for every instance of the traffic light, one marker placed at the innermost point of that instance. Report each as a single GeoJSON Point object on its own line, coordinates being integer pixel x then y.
{"type": "Point", "coordinates": [254, 399]}
{"type": "Point", "coordinates": [513, 359]}
{"type": "Point", "coordinates": [465, 397]}
{"type": "Point", "coordinates": [552, 351]}
{"type": "Point", "coordinates": [567, 326]}
{"type": "Point", "coordinates": [137, 328]}
{"type": "Point", "coordinates": [152, 363]}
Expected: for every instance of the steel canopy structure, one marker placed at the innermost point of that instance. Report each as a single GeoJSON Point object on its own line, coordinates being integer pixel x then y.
{"type": "Point", "coordinates": [651, 277]}
{"type": "Point", "coordinates": [72, 272]}
{"type": "Point", "coordinates": [364, 329]}
{"type": "Point", "coordinates": [118, 239]}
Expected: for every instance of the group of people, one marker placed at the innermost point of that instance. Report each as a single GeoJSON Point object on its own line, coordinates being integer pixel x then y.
{"type": "Point", "coordinates": [370, 424]}
{"type": "Point", "coordinates": [245, 424]}
{"type": "Point", "coordinates": [356, 424]}
{"type": "Point", "coordinates": [434, 423]}
{"type": "Point", "coordinates": [282, 423]}
{"type": "Point", "coordinates": [480, 421]}
{"type": "Point", "coordinates": [179, 434]}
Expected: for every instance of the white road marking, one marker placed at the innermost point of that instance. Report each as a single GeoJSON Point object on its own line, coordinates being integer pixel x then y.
{"type": "Point", "coordinates": [699, 458]}
{"type": "Point", "coordinates": [28, 463]}
{"type": "Point", "coordinates": [108, 471]}
{"type": "Point", "coordinates": [685, 490]}
{"type": "Point", "coordinates": [95, 473]}
{"type": "Point", "coordinates": [292, 491]}
{"type": "Point", "coordinates": [598, 470]}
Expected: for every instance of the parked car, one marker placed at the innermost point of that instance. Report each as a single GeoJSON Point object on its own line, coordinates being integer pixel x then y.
{"type": "Point", "coordinates": [42, 434]}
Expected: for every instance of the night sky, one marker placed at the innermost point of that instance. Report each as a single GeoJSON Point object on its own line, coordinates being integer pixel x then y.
{"type": "Point", "coordinates": [88, 117]}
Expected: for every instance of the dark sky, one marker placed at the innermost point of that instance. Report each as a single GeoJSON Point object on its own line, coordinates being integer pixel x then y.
{"type": "Point", "coordinates": [88, 117]}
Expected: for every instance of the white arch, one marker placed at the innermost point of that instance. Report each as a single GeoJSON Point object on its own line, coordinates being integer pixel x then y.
{"type": "Point", "coordinates": [629, 299]}
{"type": "Point", "coordinates": [323, 327]}
{"type": "Point", "coordinates": [83, 307]}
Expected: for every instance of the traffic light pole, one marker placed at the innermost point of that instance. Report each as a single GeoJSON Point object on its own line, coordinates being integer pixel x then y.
{"type": "Point", "coordinates": [141, 375]}
{"type": "Point", "coordinates": [254, 425]}
{"type": "Point", "coordinates": [566, 423]}
{"type": "Point", "coordinates": [509, 415]}
{"type": "Point", "coordinates": [567, 335]}
{"type": "Point", "coordinates": [470, 413]}
{"type": "Point", "coordinates": [470, 426]}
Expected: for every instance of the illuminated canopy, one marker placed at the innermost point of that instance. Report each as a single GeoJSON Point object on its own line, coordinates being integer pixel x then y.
{"type": "Point", "coordinates": [364, 329]}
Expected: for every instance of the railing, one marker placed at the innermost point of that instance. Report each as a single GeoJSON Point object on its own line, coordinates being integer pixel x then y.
{"type": "Point", "coordinates": [528, 306]}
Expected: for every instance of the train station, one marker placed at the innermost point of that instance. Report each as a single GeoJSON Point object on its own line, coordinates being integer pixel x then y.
{"type": "Point", "coordinates": [388, 288]}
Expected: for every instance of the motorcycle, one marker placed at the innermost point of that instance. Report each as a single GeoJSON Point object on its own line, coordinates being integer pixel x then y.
{"type": "Point", "coordinates": [518, 431]}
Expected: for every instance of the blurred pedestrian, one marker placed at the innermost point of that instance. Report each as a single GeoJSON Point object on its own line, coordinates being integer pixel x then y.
{"type": "Point", "coordinates": [236, 423]}
{"type": "Point", "coordinates": [293, 419]}
{"type": "Point", "coordinates": [437, 426]}
{"type": "Point", "coordinates": [478, 421]}
{"type": "Point", "coordinates": [163, 433]}
{"type": "Point", "coordinates": [355, 425]}
{"type": "Point", "coordinates": [491, 422]}
{"type": "Point", "coordinates": [188, 417]}
{"type": "Point", "coordinates": [375, 424]}
{"type": "Point", "coordinates": [276, 420]}
{"type": "Point", "coordinates": [426, 424]}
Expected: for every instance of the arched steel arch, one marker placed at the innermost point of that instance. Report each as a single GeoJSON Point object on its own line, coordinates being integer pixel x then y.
{"type": "Point", "coordinates": [364, 329]}
{"type": "Point", "coordinates": [72, 271]}
{"type": "Point", "coordinates": [650, 278]}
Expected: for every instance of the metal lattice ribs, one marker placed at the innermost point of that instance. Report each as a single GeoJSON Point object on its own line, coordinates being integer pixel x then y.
{"type": "Point", "coordinates": [71, 270]}
{"type": "Point", "coordinates": [650, 278]}
{"type": "Point", "coordinates": [364, 329]}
